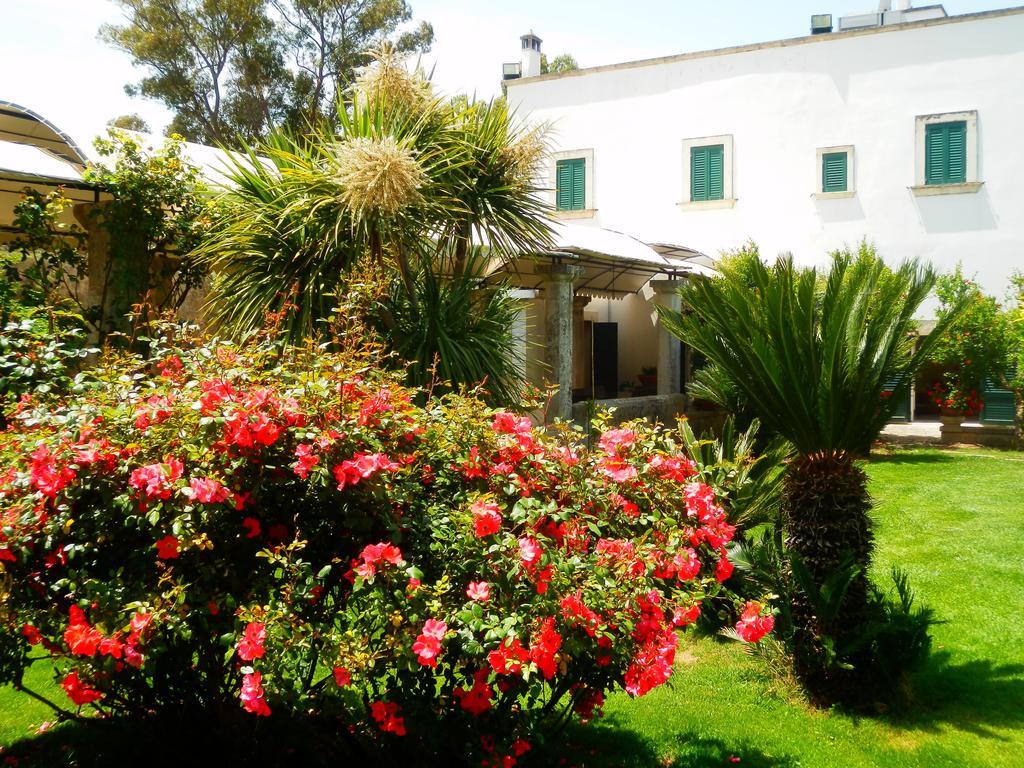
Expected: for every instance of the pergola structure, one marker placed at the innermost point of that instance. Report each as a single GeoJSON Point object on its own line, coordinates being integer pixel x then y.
{"type": "Point", "coordinates": [588, 261]}
{"type": "Point", "coordinates": [35, 154]}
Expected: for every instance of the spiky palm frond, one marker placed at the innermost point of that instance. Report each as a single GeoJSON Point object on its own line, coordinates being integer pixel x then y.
{"type": "Point", "coordinates": [812, 353]}
{"type": "Point", "coordinates": [458, 333]}
{"type": "Point", "coordinates": [268, 252]}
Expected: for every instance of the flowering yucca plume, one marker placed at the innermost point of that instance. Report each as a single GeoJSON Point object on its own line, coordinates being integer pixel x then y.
{"type": "Point", "coordinates": [377, 176]}
{"type": "Point", "coordinates": [388, 81]}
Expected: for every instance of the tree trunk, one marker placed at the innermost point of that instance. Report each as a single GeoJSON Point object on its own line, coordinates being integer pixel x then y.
{"type": "Point", "coordinates": [827, 505]}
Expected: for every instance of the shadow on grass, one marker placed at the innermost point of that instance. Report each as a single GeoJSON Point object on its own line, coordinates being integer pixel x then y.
{"type": "Point", "coordinates": [607, 745]}
{"type": "Point", "coordinates": [973, 696]}
{"type": "Point", "coordinates": [610, 744]}
{"type": "Point", "coordinates": [898, 456]}
{"type": "Point", "coordinates": [126, 742]}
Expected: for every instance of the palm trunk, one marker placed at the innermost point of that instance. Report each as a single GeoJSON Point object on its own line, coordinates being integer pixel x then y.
{"type": "Point", "coordinates": [827, 523]}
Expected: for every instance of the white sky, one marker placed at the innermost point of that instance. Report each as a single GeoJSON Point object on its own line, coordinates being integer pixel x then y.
{"type": "Point", "coordinates": [52, 62]}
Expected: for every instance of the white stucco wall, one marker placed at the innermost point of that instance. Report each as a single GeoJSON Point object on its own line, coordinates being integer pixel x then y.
{"type": "Point", "coordinates": [781, 103]}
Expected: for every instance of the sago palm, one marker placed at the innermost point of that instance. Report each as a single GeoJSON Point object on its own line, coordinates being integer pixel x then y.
{"type": "Point", "coordinates": [812, 354]}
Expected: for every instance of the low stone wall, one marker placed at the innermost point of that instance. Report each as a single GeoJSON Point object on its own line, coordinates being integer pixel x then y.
{"type": "Point", "coordinates": [664, 409]}
{"type": "Point", "coordinates": [975, 433]}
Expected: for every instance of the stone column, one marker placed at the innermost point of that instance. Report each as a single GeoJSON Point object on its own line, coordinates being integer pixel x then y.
{"type": "Point", "coordinates": [666, 293]}
{"type": "Point", "coordinates": [558, 279]}
{"type": "Point", "coordinates": [580, 358]}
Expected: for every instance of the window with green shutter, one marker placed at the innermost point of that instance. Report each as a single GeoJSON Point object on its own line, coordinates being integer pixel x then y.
{"type": "Point", "coordinates": [999, 405]}
{"type": "Point", "coordinates": [833, 172]}
{"type": "Point", "coordinates": [707, 173]}
{"type": "Point", "coordinates": [570, 184]}
{"type": "Point", "coordinates": [945, 153]}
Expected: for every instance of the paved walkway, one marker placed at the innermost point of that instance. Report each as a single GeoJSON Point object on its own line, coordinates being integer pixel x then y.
{"type": "Point", "coordinates": [914, 432]}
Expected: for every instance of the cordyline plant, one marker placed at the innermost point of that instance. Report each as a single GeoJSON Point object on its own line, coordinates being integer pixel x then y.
{"type": "Point", "coordinates": [408, 180]}
{"type": "Point", "coordinates": [232, 535]}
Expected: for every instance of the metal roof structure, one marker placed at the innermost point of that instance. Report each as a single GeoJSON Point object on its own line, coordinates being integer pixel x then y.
{"type": "Point", "coordinates": [613, 263]}
{"type": "Point", "coordinates": [20, 125]}
{"type": "Point", "coordinates": [36, 155]}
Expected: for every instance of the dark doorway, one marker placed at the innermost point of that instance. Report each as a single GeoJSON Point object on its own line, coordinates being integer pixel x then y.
{"type": "Point", "coordinates": [606, 360]}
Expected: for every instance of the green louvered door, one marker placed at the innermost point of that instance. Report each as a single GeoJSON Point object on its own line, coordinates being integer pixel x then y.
{"type": "Point", "coordinates": [570, 184]}
{"type": "Point", "coordinates": [945, 153]}
{"type": "Point", "coordinates": [998, 405]}
{"type": "Point", "coordinates": [833, 172]}
{"type": "Point", "coordinates": [902, 410]}
{"type": "Point", "coordinates": [707, 173]}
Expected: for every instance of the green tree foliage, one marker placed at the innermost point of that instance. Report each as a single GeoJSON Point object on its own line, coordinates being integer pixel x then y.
{"type": "Point", "coordinates": [234, 68]}
{"type": "Point", "coordinates": [44, 263]}
{"type": "Point", "coordinates": [811, 354]}
{"type": "Point", "coordinates": [409, 187]}
{"type": "Point", "coordinates": [132, 122]}
{"type": "Point", "coordinates": [1016, 315]}
{"type": "Point", "coordinates": [564, 62]}
{"type": "Point", "coordinates": [978, 345]}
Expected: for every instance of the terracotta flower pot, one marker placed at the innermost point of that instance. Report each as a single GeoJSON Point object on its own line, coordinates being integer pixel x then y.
{"type": "Point", "coordinates": [951, 417]}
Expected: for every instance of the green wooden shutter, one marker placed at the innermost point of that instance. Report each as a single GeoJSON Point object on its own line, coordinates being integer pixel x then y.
{"type": "Point", "coordinates": [699, 173]}
{"type": "Point", "coordinates": [998, 405]}
{"type": "Point", "coordinates": [945, 153]}
{"type": "Point", "coordinates": [901, 411]}
{"type": "Point", "coordinates": [570, 184]}
{"type": "Point", "coordinates": [956, 152]}
{"type": "Point", "coordinates": [716, 172]}
{"type": "Point", "coordinates": [578, 185]}
{"type": "Point", "coordinates": [707, 173]}
{"type": "Point", "coordinates": [833, 172]}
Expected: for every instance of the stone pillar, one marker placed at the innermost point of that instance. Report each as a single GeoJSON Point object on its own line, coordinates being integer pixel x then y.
{"type": "Point", "coordinates": [558, 334]}
{"type": "Point", "coordinates": [666, 293]}
{"type": "Point", "coordinates": [580, 358]}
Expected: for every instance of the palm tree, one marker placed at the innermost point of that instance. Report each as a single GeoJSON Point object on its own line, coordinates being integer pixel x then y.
{"type": "Point", "coordinates": [811, 355]}
{"type": "Point", "coordinates": [405, 182]}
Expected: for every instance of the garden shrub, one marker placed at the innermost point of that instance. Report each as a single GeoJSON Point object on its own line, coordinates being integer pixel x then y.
{"type": "Point", "coordinates": [36, 359]}
{"type": "Point", "coordinates": [232, 535]}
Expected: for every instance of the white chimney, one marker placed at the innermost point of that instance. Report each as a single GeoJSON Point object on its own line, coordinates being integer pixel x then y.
{"type": "Point", "coordinates": [531, 55]}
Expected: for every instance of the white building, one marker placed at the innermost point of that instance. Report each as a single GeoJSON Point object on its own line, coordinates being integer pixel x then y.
{"type": "Point", "coordinates": [904, 127]}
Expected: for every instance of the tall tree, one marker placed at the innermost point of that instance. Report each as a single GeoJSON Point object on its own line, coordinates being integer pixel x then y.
{"type": "Point", "coordinates": [325, 41]}
{"type": "Point", "coordinates": [229, 69]}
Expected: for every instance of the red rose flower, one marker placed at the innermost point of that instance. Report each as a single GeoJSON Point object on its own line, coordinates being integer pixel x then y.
{"type": "Point", "coordinates": [167, 548]}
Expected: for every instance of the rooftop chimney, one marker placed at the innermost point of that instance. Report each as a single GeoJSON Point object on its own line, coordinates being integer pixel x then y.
{"type": "Point", "coordinates": [821, 23]}
{"type": "Point", "coordinates": [531, 54]}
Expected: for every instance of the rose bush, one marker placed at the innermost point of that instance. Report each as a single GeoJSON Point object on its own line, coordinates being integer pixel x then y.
{"type": "Point", "coordinates": [234, 533]}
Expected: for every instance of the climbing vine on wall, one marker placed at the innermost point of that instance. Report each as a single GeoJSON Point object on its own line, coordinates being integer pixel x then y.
{"type": "Point", "coordinates": [153, 220]}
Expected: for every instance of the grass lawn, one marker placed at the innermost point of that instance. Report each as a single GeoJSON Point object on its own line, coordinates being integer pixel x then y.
{"type": "Point", "coordinates": [955, 522]}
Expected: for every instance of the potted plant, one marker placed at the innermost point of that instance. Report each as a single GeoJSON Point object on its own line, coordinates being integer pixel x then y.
{"type": "Point", "coordinates": [648, 377]}
{"type": "Point", "coordinates": [957, 403]}
{"type": "Point", "coordinates": [975, 349]}
{"type": "Point", "coordinates": [626, 389]}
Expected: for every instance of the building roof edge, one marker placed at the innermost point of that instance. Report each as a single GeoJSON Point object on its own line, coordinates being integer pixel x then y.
{"type": "Point", "coordinates": [784, 43]}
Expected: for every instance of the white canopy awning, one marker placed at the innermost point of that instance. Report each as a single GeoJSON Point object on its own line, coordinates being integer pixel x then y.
{"type": "Point", "coordinates": [614, 264]}
{"type": "Point", "coordinates": [35, 154]}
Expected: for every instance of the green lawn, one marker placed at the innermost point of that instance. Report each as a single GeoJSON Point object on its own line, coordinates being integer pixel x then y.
{"type": "Point", "coordinates": [955, 522]}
